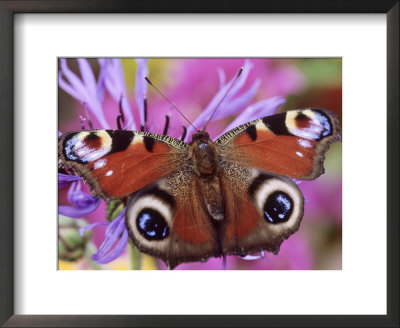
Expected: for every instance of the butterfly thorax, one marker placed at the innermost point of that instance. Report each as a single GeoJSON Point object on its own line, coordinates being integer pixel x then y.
{"type": "Point", "coordinates": [204, 154]}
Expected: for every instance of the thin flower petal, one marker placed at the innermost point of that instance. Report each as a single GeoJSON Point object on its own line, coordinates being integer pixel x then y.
{"type": "Point", "coordinates": [113, 231]}
{"type": "Point", "coordinates": [68, 89]}
{"type": "Point", "coordinates": [260, 109]}
{"type": "Point", "coordinates": [101, 81]}
{"type": "Point", "coordinates": [114, 81]}
{"type": "Point", "coordinates": [78, 197]}
{"type": "Point", "coordinates": [78, 212]}
{"type": "Point", "coordinates": [73, 80]}
{"type": "Point", "coordinates": [83, 204]}
{"type": "Point", "coordinates": [66, 179]}
{"type": "Point", "coordinates": [141, 86]}
{"type": "Point", "coordinates": [91, 226]}
{"type": "Point", "coordinates": [87, 75]}
{"type": "Point", "coordinates": [117, 251]}
{"type": "Point", "coordinates": [222, 78]}
{"type": "Point", "coordinates": [235, 105]}
{"type": "Point", "coordinates": [85, 90]}
{"type": "Point", "coordinates": [207, 112]}
{"type": "Point", "coordinates": [114, 244]}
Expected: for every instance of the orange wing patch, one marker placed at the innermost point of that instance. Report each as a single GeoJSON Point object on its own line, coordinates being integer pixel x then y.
{"type": "Point", "coordinates": [284, 155]}
{"type": "Point", "coordinates": [121, 173]}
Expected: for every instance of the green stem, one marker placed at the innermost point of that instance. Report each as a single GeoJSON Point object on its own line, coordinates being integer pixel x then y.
{"type": "Point", "coordinates": [135, 256]}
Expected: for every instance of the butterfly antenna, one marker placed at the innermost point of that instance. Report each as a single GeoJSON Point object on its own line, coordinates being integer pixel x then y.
{"type": "Point", "coordinates": [170, 102]}
{"type": "Point", "coordinates": [233, 82]}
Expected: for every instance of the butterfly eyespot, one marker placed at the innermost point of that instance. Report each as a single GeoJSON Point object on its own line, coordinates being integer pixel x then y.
{"type": "Point", "coordinates": [278, 200]}
{"type": "Point", "coordinates": [149, 215]}
{"type": "Point", "coordinates": [278, 207]}
{"type": "Point", "coordinates": [152, 225]}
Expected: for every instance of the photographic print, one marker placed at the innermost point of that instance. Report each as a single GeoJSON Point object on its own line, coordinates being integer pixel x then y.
{"type": "Point", "coordinates": [199, 164]}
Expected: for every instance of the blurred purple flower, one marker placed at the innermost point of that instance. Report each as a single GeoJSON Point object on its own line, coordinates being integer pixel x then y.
{"type": "Point", "coordinates": [141, 88]}
{"type": "Point", "coordinates": [260, 109]}
{"type": "Point", "coordinates": [114, 81]}
{"type": "Point", "coordinates": [90, 93]}
{"type": "Point", "coordinates": [85, 90]}
{"type": "Point", "coordinates": [115, 241]}
{"type": "Point", "coordinates": [66, 179]}
{"type": "Point", "coordinates": [83, 203]}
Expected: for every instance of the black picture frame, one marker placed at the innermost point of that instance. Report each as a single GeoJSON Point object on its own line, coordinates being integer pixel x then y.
{"type": "Point", "coordinates": [7, 131]}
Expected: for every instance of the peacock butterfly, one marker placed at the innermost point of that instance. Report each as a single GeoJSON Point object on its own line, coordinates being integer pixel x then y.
{"type": "Point", "coordinates": [190, 202]}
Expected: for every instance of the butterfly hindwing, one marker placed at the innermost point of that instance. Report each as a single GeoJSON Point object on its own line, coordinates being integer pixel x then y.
{"type": "Point", "coordinates": [292, 143]}
{"type": "Point", "coordinates": [170, 221]}
{"type": "Point", "coordinates": [261, 210]}
{"type": "Point", "coordinates": [115, 163]}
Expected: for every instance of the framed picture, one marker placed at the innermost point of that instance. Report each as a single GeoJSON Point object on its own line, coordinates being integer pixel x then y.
{"type": "Point", "coordinates": [79, 85]}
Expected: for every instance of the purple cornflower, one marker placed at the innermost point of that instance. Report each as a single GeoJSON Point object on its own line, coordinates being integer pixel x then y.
{"type": "Point", "coordinates": [83, 203]}
{"type": "Point", "coordinates": [91, 94]}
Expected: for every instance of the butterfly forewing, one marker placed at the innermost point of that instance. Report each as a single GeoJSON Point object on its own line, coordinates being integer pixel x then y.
{"type": "Point", "coordinates": [292, 144]}
{"type": "Point", "coordinates": [116, 163]}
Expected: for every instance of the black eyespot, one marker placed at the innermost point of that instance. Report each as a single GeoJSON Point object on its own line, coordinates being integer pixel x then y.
{"type": "Point", "coordinates": [152, 225]}
{"type": "Point", "coordinates": [278, 207]}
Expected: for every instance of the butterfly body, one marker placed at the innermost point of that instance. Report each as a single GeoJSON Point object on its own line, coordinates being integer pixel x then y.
{"type": "Point", "coordinates": [189, 202]}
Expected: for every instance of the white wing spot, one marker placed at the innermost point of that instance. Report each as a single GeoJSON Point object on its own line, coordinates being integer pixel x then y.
{"type": "Point", "coordinates": [99, 164]}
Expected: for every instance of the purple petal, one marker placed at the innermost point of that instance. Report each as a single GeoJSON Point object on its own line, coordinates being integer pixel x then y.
{"type": "Point", "coordinates": [67, 88]}
{"type": "Point", "coordinates": [109, 79]}
{"type": "Point", "coordinates": [235, 105]}
{"type": "Point", "coordinates": [90, 227]}
{"type": "Point", "coordinates": [78, 212]}
{"type": "Point", "coordinates": [113, 231]}
{"type": "Point", "coordinates": [84, 90]}
{"type": "Point", "coordinates": [114, 82]}
{"type": "Point", "coordinates": [66, 179]}
{"type": "Point", "coordinates": [116, 252]}
{"type": "Point", "coordinates": [78, 197]}
{"type": "Point", "coordinates": [83, 203]}
{"type": "Point", "coordinates": [207, 112]}
{"type": "Point", "coordinates": [101, 80]}
{"type": "Point", "coordinates": [222, 78]}
{"type": "Point", "coordinates": [240, 81]}
{"type": "Point", "coordinates": [260, 109]}
{"type": "Point", "coordinates": [87, 75]}
{"type": "Point", "coordinates": [141, 86]}
{"type": "Point", "coordinates": [73, 80]}
{"type": "Point", "coordinates": [113, 246]}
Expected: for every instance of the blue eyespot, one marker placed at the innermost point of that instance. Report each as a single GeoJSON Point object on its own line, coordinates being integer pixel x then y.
{"type": "Point", "coordinates": [278, 207]}
{"type": "Point", "coordinates": [152, 225]}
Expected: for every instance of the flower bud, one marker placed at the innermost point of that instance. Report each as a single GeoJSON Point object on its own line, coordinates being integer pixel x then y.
{"type": "Point", "coordinates": [71, 245]}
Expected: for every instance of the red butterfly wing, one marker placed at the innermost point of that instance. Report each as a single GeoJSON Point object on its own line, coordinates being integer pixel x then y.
{"type": "Point", "coordinates": [292, 144]}
{"type": "Point", "coordinates": [116, 163]}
